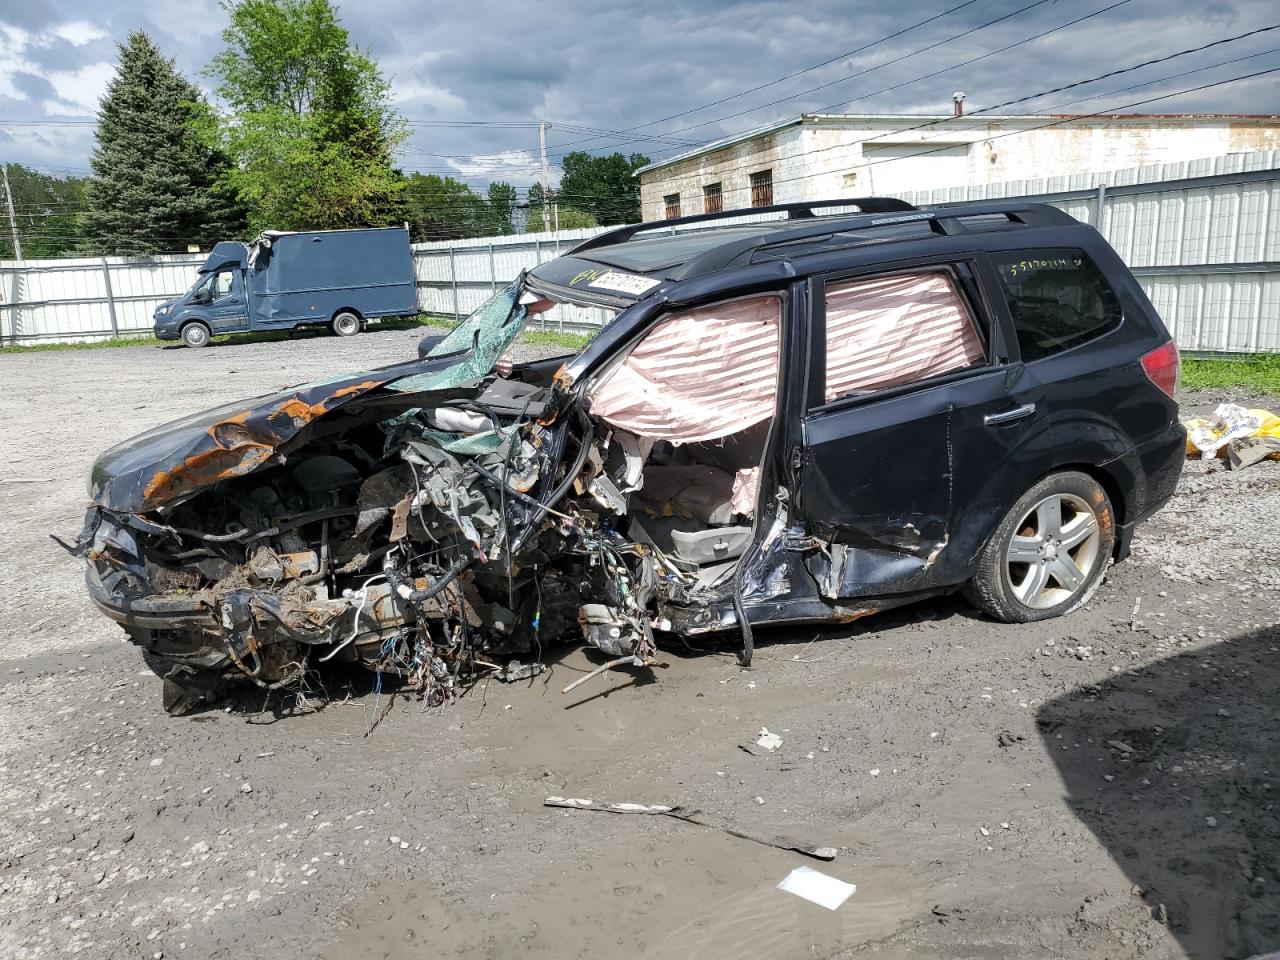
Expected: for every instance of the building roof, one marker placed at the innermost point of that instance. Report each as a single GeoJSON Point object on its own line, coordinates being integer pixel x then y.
{"type": "Point", "coordinates": [964, 120]}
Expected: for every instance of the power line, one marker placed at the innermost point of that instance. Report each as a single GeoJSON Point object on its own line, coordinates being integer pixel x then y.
{"type": "Point", "coordinates": [938, 120]}
{"type": "Point", "coordinates": [1073, 118]}
{"type": "Point", "coordinates": [1081, 83]}
{"type": "Point", "coordinates": [668, 138]}
{"type": "Point", "coordinates": [881, 66]}
{"type": "Point", "coordinates": [969, 62]}
{"type": "Point", "coordinates": [789, 76]}
{"type": "Point", "coordinates": [606, 204]}
{"type": "Point", "coordinates": [1172, 76]}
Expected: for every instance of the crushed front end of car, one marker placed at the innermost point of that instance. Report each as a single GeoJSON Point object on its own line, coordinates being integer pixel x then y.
{"type": "Point", "coordinates": [430, 521]}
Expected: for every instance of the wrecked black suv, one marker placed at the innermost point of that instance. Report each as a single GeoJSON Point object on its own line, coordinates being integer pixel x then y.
{"type": "Point", "coordinates": [807, 414]}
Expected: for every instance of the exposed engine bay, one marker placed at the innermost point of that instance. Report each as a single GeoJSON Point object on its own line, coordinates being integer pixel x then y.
{"type": "Point", "coordinates": [430, 524]}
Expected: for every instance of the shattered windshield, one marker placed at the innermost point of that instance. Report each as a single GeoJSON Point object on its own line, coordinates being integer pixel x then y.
{"type": "Point", "coordinates": [485, 336]}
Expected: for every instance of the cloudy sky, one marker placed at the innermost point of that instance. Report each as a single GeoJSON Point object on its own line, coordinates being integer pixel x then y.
{"type": "Point", "coordinates": [473, 78]}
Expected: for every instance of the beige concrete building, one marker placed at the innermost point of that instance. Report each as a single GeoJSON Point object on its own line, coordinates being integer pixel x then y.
{"type": "Point", "coordinates": [827, 156]}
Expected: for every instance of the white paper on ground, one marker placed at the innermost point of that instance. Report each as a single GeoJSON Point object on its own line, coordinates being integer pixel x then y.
{"type": "Point", "coordinates": [817, 887]}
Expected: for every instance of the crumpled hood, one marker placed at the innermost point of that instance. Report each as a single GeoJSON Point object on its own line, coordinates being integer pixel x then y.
{"type": "Point", "coordinates": [179, 458]}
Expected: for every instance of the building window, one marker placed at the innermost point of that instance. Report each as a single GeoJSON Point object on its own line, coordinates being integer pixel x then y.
{"type": "Point", "coordinates": [762, 188]}
{"type": "Point", "coordinates": [712, 198]}
{"type": "Point", "coordinates": [672, 202]}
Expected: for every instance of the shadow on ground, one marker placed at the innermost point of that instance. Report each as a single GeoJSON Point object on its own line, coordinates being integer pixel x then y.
{"type": "Point", "coordinates": [1175, 768]}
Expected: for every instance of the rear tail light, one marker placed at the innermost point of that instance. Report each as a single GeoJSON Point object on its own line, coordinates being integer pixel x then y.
{"type": "Point", "coordinates": [1162, 367]}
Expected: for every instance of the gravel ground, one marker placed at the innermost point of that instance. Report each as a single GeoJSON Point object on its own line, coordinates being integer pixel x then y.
{"type": "Point", "coordinates": [1100, 785]}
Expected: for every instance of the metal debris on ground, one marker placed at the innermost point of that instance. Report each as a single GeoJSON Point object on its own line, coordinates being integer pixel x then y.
{"type": "Point", "coordinates": [695, 817]}
{"type": "Point", "coordinates": [515, 670]}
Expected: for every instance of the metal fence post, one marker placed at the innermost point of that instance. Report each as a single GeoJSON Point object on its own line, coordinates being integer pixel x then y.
{"type": "Point", "coordinates": [111, 300]}
{"type": "Point", "coordinates": [1101, 206]}
{"type": "Point", "coordinates": [453, 282]}
{"type": "Point", "coordinates": [15, 308]}
{"type": "Point", "coordinates": [493, 271]}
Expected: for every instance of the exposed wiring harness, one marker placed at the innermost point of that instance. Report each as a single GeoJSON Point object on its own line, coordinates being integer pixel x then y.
{"type": "Point", "coordinates": [406, 592]}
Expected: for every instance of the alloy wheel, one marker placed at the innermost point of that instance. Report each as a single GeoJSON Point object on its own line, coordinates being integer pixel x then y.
{"type": "Point", "coordinates": [1053, 551]}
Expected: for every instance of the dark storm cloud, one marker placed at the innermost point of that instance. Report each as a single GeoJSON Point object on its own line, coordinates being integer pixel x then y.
{"type": "Point", "coordinates": [28, 14]}
{"type": "Point", "coordinates": [57, 53]}
{"type": "Point", "coordinates": [616, 65]}
{"type": "Point", "coordinates": [33, 86]}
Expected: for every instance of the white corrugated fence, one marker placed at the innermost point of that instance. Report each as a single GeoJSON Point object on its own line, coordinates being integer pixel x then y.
{"type": "Point", "coordinates": [1202, 236]}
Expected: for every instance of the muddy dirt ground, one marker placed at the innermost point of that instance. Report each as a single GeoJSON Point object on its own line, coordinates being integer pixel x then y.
{"type": "Point", "coordinates": [1097, 786]}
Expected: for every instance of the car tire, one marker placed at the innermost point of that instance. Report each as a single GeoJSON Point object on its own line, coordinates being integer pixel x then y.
{"type": "Point", "coordinates": [1048, 554]}
{"type": "Point", "coordinates": [345, 323]}
{"type": "Point", "coordinates": [196, 335]}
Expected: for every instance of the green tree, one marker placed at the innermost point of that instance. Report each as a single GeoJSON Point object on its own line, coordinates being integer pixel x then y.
{"type": "Point", "coordinates": [567, 217]}
{"type": "Point", "coordinates": [533, 210]}
{"type": "Point", "coordinates": [154, 181]}
{"type": "Point", "coordinates": [442, 208]}
{"type": "Point", "coordinates": [310, 123]}
{"type": "Point", "coordinates": [501, 206]}
{"type": "Point", "coordinates": [48, 212]}
{"type": "Point", "coordinates": [602, 186]}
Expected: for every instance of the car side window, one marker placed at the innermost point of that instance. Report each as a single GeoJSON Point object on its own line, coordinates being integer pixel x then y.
{"type": "Point", "coordinates": [886, 331]}
{"type": "Point", "coordinates": [223, 285]}
{"type": "Point", "coordinates": [1058, 299]}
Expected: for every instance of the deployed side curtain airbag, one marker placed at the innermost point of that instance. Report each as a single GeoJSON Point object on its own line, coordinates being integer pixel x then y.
{"type": "Point", "coordinates": [893, 330]}
{"type": "Point", "coordinates": [698, 375]}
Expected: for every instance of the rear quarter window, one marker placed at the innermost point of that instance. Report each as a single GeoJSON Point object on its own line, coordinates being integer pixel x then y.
{"type": "Point", "coordinates": [1058, 299]}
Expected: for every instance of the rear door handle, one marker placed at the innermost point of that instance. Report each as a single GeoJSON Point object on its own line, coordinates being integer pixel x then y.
{"type": "Point", "coordinates": [1006, 416]}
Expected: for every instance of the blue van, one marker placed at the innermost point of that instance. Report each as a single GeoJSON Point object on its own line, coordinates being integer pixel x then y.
{"type": "Point", "coordinates": [335, 278]}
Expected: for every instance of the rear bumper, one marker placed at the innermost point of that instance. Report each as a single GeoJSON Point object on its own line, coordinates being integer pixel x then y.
{"type": "Point", "coordinates": [1161, 460]}
{"type": "Point", "coordinates": [1157, 463]}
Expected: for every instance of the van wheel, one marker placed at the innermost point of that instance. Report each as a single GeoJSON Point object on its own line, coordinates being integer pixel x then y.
{"type": "Point", "coordinates": [1049, 553]}
{"type": "Point", "coordinates": [195, 335]}
{"type": "Point", "coordinates": [345, 324]}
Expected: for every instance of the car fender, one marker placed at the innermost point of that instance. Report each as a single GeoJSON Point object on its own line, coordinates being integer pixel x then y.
{"type": "Point", "coordinates": [1064, 440]}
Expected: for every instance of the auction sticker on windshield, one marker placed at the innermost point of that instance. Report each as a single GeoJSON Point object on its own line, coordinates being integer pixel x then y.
{"type": "Point", "coordinates": [623, 283]}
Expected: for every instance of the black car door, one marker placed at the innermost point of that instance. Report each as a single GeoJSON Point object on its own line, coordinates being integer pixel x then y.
{"type": "Point", "coordinates": [908, 422]}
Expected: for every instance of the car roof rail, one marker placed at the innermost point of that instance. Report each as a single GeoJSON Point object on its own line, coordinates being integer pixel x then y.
{"type": "Point", "coordinates": [795, 211]}
{"type": "Point", "coordinates": [945, 220]}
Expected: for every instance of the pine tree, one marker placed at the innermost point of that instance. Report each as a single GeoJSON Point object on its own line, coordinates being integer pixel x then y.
{"type": "Point", "coordinates": [154, 188]}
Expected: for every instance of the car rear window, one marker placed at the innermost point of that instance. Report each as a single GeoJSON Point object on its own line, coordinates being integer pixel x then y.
{"type": "Point", "coordinates": [1058, 298]}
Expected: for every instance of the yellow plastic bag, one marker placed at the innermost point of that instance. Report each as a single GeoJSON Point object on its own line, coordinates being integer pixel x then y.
{"type": "Point", "coordinates": [1243, 436]}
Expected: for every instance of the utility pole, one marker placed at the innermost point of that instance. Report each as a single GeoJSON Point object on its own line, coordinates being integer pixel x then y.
{"type": "Point", "coordinates": [13, 219]}
{"type": "Point", "coordinates": [546, 176]}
